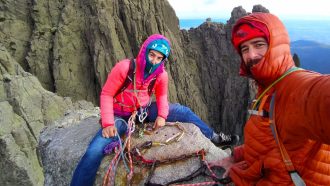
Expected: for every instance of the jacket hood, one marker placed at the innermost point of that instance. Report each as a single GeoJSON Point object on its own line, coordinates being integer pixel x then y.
{"type": "Point", "coordinates": [141, 58]}
{"type": "Point", "coordinates": [277, 59]}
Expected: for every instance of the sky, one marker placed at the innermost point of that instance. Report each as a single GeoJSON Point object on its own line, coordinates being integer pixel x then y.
{"type": "Point", "coordinates": [284, 9]}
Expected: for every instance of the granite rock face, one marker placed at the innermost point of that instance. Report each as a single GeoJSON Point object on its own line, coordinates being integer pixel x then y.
{"type": "Point", "coordinates": [62, 145]}
{"type": "Point", "coordinates": [25, 109]}
{"type": "Point", "coordinates": [71, 46]}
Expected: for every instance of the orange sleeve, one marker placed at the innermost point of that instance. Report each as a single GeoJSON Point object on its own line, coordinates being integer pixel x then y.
{"type": "Point", "coordinates": [303, 107]}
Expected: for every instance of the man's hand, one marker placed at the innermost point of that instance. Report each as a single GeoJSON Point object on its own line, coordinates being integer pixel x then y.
{"type": "Point", "coordinates": [228, 162]}
{"type": "Point", "coordinates": [160, 122]}
{"type": "Point", "coordinates": [225, 163]}
{"type": "Point", "coordinates": [109, 131]}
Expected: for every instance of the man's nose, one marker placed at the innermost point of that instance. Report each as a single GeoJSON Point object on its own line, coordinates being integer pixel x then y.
{"type": "Point", "coordinates": [252, 54]}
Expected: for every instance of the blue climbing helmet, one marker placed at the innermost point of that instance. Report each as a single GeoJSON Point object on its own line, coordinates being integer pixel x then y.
{"type": "Point", "coordinates": [160, 45]}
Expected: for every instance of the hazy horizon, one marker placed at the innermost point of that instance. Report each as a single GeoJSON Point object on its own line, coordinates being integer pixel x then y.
{"type": "Point", "coordinates": [312, 30]}
{"type": "Point", "coordinates": [221, 9]}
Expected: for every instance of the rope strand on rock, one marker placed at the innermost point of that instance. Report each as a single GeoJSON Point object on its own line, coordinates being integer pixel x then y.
{"type": "Point", "coordinates": [131, 125]}
{"type": "Point", "coordinates": [134, 156]}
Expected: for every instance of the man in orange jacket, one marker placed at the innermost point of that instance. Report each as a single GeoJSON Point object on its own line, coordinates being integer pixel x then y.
{"type": "Point", "coordinates": [290, 120]}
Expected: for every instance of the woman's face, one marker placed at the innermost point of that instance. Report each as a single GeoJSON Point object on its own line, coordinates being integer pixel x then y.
{"type": "Point", "coordinates": [155, 57]}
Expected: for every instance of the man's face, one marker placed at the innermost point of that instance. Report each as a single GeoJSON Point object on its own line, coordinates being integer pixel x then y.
{"type": "Point", "coordinates": [155, 57]}
{"type": "Point", "coordinates": [253, 50]}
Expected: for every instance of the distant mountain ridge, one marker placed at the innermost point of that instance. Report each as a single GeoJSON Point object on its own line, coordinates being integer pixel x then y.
{"type": "Point", "coordinates": [306, 43]}
{"type": "Point", "coordinates": [313, 55]}
{"type": "Point", "coordinates": [313, 30]}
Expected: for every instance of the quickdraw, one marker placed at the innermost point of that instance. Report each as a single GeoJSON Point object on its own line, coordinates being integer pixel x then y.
{"type": "Point", "coordinates": [142, 116]}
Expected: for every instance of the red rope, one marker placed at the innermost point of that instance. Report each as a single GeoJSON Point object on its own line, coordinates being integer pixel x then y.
{"type": "Point", "coordinates": [198, 184]}
{"type": "Point", "coordinates": [109, 176]}
{"type": "Point", "coordinates": [130, 126]}
{"type": "Point", "coordinates": [209, 168]}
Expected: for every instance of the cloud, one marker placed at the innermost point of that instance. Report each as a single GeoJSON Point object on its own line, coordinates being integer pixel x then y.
{"type": "Point", "coordinates": [315, 9]}
{"type": "Point", "coordinates": [210, 2]}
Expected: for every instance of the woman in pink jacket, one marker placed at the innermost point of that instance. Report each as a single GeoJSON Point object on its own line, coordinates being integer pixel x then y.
{"type": "Point", "coordinates": [117, 104]}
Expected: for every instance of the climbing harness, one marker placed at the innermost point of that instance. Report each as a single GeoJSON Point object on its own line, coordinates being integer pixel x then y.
{"type": "Point", "coordinates": [143, 111]}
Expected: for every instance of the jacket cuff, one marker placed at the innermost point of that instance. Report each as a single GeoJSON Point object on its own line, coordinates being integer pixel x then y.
{"type": "Point", "coordinates": [238, 153]}
{"type": "Point", "coordinates": [104, 125]}
{"type": "Point", "coordinates": [165, 117]}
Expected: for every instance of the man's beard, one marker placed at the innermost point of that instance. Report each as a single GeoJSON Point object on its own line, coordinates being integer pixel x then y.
{"type": "Point", "coordinates": [250, 64]}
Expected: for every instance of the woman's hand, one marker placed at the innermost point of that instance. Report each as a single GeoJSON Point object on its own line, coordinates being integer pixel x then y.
{"type": "Point", "coordinates": [160, 122]}
{"type": "Point", "coordinates": [109, 131]}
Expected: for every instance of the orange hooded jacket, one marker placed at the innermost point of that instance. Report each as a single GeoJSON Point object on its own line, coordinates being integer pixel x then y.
{"type": "Point", "coordinates": [302, 117]}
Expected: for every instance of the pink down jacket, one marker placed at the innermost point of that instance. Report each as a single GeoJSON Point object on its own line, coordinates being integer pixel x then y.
{"type": "Point", "coordinates": [128, 100]}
